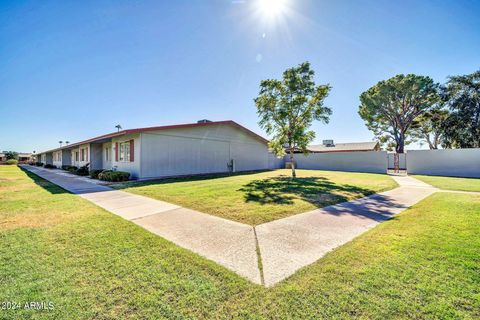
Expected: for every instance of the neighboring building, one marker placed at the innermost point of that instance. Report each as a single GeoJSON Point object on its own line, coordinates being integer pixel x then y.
{"type": "Point", "coordinates": [330, 146]}
{"type": "Point", "coordinates": [187, 149]}
{"type": "Point", "coordinates": [25, 157]}
{"type": "Point", "coordinates": [22, 157]}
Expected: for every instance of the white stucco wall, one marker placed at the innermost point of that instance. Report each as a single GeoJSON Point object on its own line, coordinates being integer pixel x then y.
{"type": "Point", "coordinates": [133, 167]}
{"type": "Point", "coordinates": [368, 161]}
{"type": "Point", "coordinates": [445, 162]}
{"type": "Point", "coordinates": [87, 154]}
{"type": "Point", "coordinates": [57, 159]}
{"type": "Point", "coordinates": [199, 150]}
{"type": "Point", "coordinates": [74, 162]}
{"type": "Point", "coordinates": [107, 164]}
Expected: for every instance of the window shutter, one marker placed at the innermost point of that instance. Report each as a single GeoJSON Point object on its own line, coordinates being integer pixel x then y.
{"type": "Point", "coordinates": [132, 151]}
{"type": "Point", "coordinates": [116, 151]}
{"type": "Point", "coordinates": [88, 149]}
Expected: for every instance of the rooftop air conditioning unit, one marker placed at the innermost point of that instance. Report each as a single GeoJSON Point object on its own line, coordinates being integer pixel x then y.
{"type": "Point", "coordinates": [328, 143]}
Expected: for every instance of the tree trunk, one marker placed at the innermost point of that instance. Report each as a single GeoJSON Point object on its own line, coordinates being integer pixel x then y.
{"type": "Point", "coordinates": [292, 162]}
{"type": "Point", "coordinates": [399, 148]}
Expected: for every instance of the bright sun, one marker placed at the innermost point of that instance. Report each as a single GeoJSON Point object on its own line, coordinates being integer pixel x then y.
{"type": "Point", "coordinates": [271, 8]}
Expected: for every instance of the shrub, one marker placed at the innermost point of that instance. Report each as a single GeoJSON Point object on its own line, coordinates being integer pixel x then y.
{"type": "Point", "coordinates": [82, 171]}
{"type": "Point", "coordinates": [94, 173]}
{"type": "Point", "coordinates": [49, 166]}
{"type": "Point", "coordinates": [70, 168]}
{"type": "Point", "coordinates": [39, 164]}
{"type": "Point", "coordinates": [11, 162]}
{"type": "Point", "coordinates": [114, 176]}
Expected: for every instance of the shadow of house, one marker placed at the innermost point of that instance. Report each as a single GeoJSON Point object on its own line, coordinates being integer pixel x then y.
{"type": "Point", "coordinates": [48, 186]}
{"type": "Point", "coordinates": [284, 190]}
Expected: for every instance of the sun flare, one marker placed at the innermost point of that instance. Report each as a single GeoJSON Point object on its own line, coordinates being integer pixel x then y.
{"type": "Point", "coordinates": [271, 8]}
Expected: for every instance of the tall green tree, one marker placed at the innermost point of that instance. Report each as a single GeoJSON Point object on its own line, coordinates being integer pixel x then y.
{"type": "Point", "coordinates": [288, 107]}
{"type": "Point", "coordinates": [461, 95]}
{"type": "Point", "coordinates": [11, 155]}
{"type": "Point", "coordinates": [390, 107]}
{"type": "Point", "coordinates": [429, 127]}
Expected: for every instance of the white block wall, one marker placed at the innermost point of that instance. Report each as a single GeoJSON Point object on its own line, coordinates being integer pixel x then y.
{"type": "Point", "coordinates": [274, 162]}
{"type": "Point", "coordinates": [369, 161]}
{"type": "Point", "coordinates": [445, 162]}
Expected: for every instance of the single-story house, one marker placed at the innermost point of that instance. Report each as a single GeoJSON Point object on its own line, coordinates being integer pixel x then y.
{"type": "Point", "coordinates": [174, 150]}
{"type": "Point", "coordinates": [22, 157]}
{"type": "Point", "coordinates": [330, 146]}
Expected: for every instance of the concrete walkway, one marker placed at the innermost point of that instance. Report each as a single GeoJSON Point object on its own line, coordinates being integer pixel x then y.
{"type": "Point", "coordinates": [226, 242]}
{"type": "Point", "coordinates": [289, 244]}
{"type": "Point", "coordinates": [283, 245]}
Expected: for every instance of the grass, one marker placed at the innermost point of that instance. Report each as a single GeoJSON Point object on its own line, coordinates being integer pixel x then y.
{"type": "Point", "coordinates": [57, 247]}
{"type": "Point", "coordinates": [452, 183]}
{"type": "Point", "coordinates": [255, 198]}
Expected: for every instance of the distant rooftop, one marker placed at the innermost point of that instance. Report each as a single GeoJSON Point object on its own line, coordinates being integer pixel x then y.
{"type": "Point", "coordinates": [329, 146]}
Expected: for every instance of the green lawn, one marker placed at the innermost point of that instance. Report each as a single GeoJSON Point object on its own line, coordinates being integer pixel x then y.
{"type": "Point", "coordinates": [452, 183]}
{"type": "Point", "coordinates": [57, 247]}
{"type": "Point", "coordinates": [256, 198]}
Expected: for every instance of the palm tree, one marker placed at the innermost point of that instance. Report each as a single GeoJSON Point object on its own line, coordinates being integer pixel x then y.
{"type": "Point", "coordinates": [60, 143]}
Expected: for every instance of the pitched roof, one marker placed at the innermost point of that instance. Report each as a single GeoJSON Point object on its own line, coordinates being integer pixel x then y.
{"type": "Point", "coordinates": [344, 147]}
{"type": "Point", "coordinates": [176, 126]}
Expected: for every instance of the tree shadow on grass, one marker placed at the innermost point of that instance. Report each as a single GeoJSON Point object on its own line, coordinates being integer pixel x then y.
{"type": "Point", "coordinates": [48, 186]}
{"type": "Point", "coordinates": [283, 190]}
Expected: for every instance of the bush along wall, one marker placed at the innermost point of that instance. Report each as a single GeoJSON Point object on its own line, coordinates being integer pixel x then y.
{"type": "Point", "coordinates": [94, 173]}
{"type": "Point", "coordinates": [82, 171]}
{"type": "Point", "coordinates": [114, 176]}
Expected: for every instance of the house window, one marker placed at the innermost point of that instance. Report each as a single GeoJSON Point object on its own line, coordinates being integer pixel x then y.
{"type": "Point", "coordinates": [84, 154]}
{"type": "Point", "coordinates": [107, 154]}
{"type": "Point", "coordinates": [124, 154]}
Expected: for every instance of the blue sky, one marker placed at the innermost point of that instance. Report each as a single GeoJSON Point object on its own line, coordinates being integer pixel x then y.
{"type": "Point", "coordinates": [70, 70]}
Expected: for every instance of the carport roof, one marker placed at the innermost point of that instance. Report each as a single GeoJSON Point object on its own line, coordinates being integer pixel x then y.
{"type": "Point", "coordinates": [176, 126]}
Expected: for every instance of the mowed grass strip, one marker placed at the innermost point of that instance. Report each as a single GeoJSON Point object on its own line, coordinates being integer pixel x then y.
{"type": "Point", "coordinates": [452, 183]}
{"type": "Point", "coordinates": [255, 198]}
{"type": "Point", "coordinates": [423, 264]}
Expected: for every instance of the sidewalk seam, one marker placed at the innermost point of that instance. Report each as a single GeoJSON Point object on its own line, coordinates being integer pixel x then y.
{"type": "Point", "coordinates": [259, 257]}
